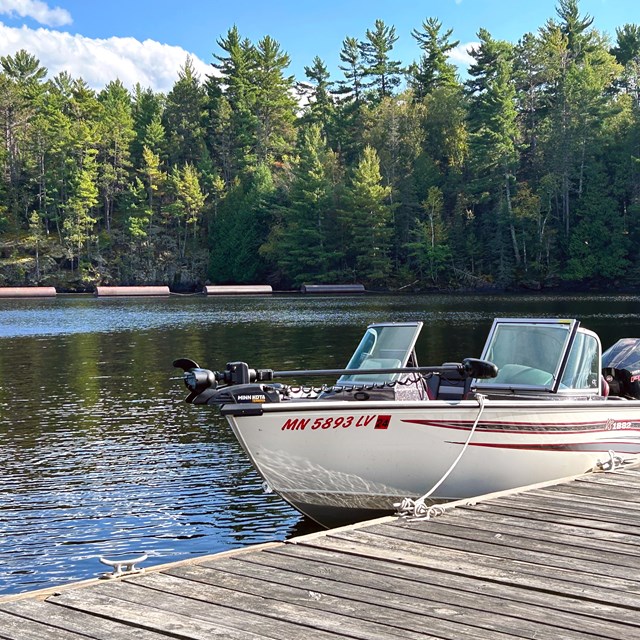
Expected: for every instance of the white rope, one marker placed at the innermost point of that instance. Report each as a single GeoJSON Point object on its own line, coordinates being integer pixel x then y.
{"type": "Point", "coordinates": [612, 463]}
{"type": "Point", "coordinates": [418, 508]}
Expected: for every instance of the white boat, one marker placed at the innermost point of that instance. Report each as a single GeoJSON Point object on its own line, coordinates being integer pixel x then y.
{"type": "Point", "coordinates": [542, 403]}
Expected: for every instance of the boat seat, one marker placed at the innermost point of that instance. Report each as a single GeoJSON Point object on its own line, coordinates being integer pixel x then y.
{"type": "Point", "coordinates": [381, 363]}
{"type": "Point", "coordinates": [448, 386]}
{"type": "Point", "coordinates": [522, 375]}
{"type": "Point", "coordinates": [375, 363]}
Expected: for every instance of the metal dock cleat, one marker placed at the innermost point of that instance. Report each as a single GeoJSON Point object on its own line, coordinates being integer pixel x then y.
{"type": "Point", "coordinates": [123, 566]}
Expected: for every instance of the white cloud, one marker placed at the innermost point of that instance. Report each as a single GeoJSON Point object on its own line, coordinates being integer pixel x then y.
{"type": "Point", "coordinates": [461, 55]}
{"type": "Point", "coordinates": [36, 10]}
{"type": "Point", "coordinates": [99, 61]}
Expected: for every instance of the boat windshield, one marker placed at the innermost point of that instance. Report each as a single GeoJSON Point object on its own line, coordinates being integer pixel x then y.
{"type": "Point", "coordinates": [582, 371]}
{"type": "Point", "coordinates": [548, 355]}
{"type": "Point", "coordinates": [384, 346]}
{"type": "Point", "coordinates": [528, 353]}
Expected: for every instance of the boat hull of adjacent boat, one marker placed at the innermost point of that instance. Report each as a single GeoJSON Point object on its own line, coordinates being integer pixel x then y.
{"type": "Point", "coordinates": [340, 462]}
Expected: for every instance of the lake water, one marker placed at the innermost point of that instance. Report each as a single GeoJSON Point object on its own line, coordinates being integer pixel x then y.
{"type": "Point", "coordinates": [100, 455]}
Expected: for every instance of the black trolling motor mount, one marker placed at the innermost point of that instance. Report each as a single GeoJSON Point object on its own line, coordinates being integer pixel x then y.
{"type": "Point", "coordinates": [199, 380]}
{"type": "Point", "coordinates": [236, 384]}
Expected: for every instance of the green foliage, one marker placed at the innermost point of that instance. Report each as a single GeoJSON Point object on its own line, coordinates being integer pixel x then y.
{"type": "Point", "coordinates": [183, 118]}
{"type": "Point", "coordinates": [116, 134]}
{"type": "Point", "coordinates": [241, 227]}
{"type": "Point", "coordinates": [366, 217]}
{"type": "Point", "coordinates": [433, 69]}
{"type": "Point", "coordinates": [352, 68]}
{"type": "Point", "coordinates": [376, 50]}
{"type": "Point", "coordinates": [300, 241]}
{"type": "Point", "coordinates": [146, 110]}
{"type": "Point", "coordinates": [23, 68]}
{"type": "Point", "coordinates": [274, 104]}
{"type": "Point", "coordinates": [78, 226]}
{"type": "Point", "coordinates": [188, 203]}
{"type": "Point", "coordinates": [598, 246]}
{"type": "Point", "coordinates": [429, 250]}
{"type": "Point", "coordinates": [529, 173]}
{"type": "Point", "coordinates": [494, 136]}
{"type": "Point", "coordinates": [322, 110]}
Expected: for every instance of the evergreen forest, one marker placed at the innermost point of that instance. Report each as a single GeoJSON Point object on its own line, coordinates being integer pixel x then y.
{"type": "Point", "coordinates": [400, 175]}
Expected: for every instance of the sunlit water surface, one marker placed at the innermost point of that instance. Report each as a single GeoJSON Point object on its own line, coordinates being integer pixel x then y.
{"type": "Point", "coordinates": [100, 455]}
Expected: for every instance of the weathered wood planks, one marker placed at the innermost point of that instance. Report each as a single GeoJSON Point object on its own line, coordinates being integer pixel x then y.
{"type": "Point", "coordinates": [562, 561]}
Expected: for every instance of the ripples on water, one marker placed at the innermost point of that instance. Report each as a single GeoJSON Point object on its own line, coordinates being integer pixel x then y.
{"type": "Point", "coordinates": [100, 455]}
{"type": "Point", "coordinates": [84, 477]}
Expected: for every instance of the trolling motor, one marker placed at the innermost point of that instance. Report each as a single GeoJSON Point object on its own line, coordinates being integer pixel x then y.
{"type": "Point", "coordinates": [235, 385]}
{"type": "Point", "coordinates": [239, 384]}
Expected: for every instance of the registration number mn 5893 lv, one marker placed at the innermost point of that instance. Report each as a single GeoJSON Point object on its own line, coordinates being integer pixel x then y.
{"type": "Point", "coordinates": [337, 422]}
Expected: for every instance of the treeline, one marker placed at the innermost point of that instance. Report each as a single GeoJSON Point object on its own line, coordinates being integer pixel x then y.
{"type": "Point", "coordinates": [393, 175]}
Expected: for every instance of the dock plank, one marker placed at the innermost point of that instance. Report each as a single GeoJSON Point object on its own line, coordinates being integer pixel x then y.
{"type": "Point", "coordinates": [212, 620]}
{"type": "Point", "coordinates": [543, 529]}
{"type": "Point", "coordinates": [15, 628]}
{"type": "Point", "coordinates": [556, 511]}
{"type": "Point", "coordinates": [581, 506]}
{"type": "Point", "coordinates": [282, 606]}
{"type": "Point", "coordinates": [589, 497]}
{"type": "Point", "coordinates": [601, 628]}
{"type": "Point", "coordinates": [427, 592]}
{"type": "Point", "coordinates": [478, 543]}
{"type": "Point", "coordinates": [488, 539]}
{"type": "Point", "coordinates": [621, 479]}
{"type": "Point", "coordinates": [546, 521]}
{"type": "Point", "coordinates": [86, 624]}
{"type": "Point", "coordinates": [568, 582]}
{"type": "Point", "coordinates": [411, 615]}
{"type": "Point", "coordinates": [146, 616]}
{"type": "Point", "coordinates": [412, 581]}
{"type": "Point", "coordinates": [557, 561]}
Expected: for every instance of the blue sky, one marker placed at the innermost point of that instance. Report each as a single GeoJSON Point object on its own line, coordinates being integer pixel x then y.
{"type": "Point", "coordinates": [147, 40]}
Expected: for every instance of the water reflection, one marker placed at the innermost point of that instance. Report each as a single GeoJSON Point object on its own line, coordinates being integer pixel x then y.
{"type": "Point", "coordinates": [100, 455]}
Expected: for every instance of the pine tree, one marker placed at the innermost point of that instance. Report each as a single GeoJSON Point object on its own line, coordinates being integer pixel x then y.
{"type": "Point", "coordinates": [183, 118]}
{"type": "Point", "coordinates": [598, 246]}
{"type": "Point", "coordinates": [275, 107]}
{"type": "Point", "coordinates": [21, 89]}
{"type": "Point", "coordinates": [52, 149]}
{"type": "Point", "coordinates": [189, 202]}
{"type": "Point", "coordinates": [146, 111]}
{"type": "Point", "coordinates": [154, 180]}
{"type": "Point", "coordinates": [231, 105]}
{"type": "Point", "coordinates": [116, 134]}
{"type": "Point", "coordinates": [433, 70]}
{"type": "Point", "coordinates": [627, 53]}
{"type": "Point", "coordinates": [579, 70]}
{"type": "Point", "coordinates": [321, 108]}
{"type": "Point", "coordinates": [366, 217]}
{"type": "Point", "coordinates": [493, 127]}
{"type": "Point", "coordinates": [298, 244]}
{"type": "Point", "coordinates": [429, 249]}
{"type": "Point", "coordinates": [385, 73]}
{"type": "Point", "coordinates": [352, 68]}
{"type": "Point", "coordinates": [394, 128]}
{"type": "Point", "coordinates": [241, 228]}
{"type": "Point", "coordinates": [79, 221]}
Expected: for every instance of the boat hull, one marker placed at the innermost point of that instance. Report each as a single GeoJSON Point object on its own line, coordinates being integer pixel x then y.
{"type": "Point", "coordinates": [340, 462]}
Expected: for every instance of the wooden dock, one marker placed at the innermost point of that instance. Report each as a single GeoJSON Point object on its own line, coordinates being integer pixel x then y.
{"type": "Point", "coordinates": [559, 561]}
